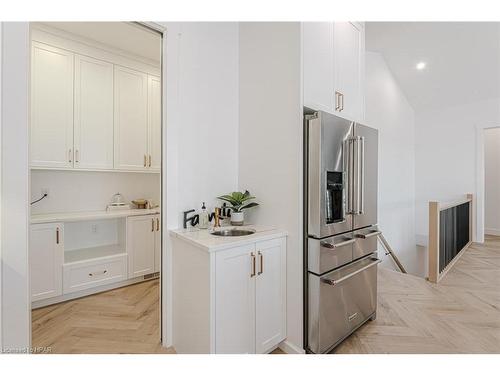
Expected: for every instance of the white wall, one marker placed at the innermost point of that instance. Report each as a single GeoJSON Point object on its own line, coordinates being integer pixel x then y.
{"type": "Point", "coordinates": [206, 118]}
{"type": "Point", "coordinates": [270, 143]}
{"type": "Point", "coordinates": [89, 191]}
{"type": "Point", "coordinates": [388, 110]}
{"type": "Point", "coordinates": [492, 181]}
{"type": "Point", "coordinates": [446, 151]}
{"type": "Point", "coordinates": [16, 319]}
{"type": "Point", "coordinates": [200, 141]}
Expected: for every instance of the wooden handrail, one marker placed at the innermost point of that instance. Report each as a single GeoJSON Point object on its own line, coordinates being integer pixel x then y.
{"type": "Point", "coordinates": [436, 272]}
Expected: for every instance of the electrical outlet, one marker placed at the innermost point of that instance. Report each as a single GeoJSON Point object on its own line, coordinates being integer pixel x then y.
{"type": "Point", "coordinates": [94, 228]}
{"type": "Point", "coordinates": [45, 191]}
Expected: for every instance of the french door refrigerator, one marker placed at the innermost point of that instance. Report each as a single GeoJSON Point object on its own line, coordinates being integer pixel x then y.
{"type": "Point", "coordinates": [340, 208]}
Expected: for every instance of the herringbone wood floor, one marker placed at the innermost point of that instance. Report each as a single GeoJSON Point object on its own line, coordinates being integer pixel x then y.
{"type": "Point", "coordinates": [461, 314]}
{"type": "Point", "coordinates": [124, 320]}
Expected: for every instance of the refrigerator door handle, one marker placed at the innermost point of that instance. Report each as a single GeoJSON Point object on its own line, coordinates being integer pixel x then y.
{"type": "Point", "coordinates": [361, 180]}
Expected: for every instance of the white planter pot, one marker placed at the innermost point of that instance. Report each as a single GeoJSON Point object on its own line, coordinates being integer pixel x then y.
{"type": "Point", "coordinates": [237, 218]}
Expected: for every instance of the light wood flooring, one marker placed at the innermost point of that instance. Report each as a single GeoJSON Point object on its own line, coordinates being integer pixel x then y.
{"type": "Point", "coordinates": [461, 314]}
{"type": "Point", "coordinates": [124, 320]}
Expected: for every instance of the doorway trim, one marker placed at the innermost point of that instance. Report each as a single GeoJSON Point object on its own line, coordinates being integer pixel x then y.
{"type": "Point", "coordinates": [15, 298]}
{"type": "Point", "coordinates": [480, 178]}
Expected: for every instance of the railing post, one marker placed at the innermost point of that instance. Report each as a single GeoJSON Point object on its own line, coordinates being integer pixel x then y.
{"type": "Point", "coordinates": [472, 218]}
{"type": "Point", "coordinates": [433, 244]}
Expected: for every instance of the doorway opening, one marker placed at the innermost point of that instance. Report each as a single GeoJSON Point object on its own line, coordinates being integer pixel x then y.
{"type": "Point", "coordinates": [95, 238]}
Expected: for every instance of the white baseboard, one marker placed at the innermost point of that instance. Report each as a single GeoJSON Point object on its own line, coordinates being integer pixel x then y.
{"type": "Point", "coordinates": [290, 348]}
{"type": "Point", "coordinates": [87, 292]}
{"type": "Point", "coordinates": [492, 231]}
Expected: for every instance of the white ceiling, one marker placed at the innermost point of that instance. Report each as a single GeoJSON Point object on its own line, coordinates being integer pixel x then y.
{"type": "Point", "coordinates": [125, 36]}
{"type": "Point", "coordinates": [463, 60]}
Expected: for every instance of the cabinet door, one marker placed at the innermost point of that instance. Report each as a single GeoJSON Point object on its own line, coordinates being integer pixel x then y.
{"type": "Point", "coordinates": [131, 128]}
{"type": "Point", "coordinates": [141, 245]}
{"type": "Point", "coordinates": [349, 66]}
{"type": "Point", "coordinates": [157, 243]}
{"type": "Point", "coordinates": [46, 260]}
{"type": "Point", "coordinates": [154, 122]}
{"type": "Point", "coordinates": [270, 294]}
{"type": "Point", "coordinates": [318, 63]}
{"type": "Point", "coordinates": [93, 113]}
{"type": "Point", "coordinates": [51, 136]}
{"type": "Point", "coordinates": [235, 300]}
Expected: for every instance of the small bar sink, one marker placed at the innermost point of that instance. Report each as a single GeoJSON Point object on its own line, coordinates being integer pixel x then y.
{"type": "Point", "coordinates": [232, 232]}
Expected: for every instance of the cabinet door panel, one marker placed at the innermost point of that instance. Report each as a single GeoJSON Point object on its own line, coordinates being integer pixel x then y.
{"type": "Point", "coordinates": [93, 113]}
{"type": "Point", "coordinates": [131, 130]}
{"type": "Point", "coordinates": [235, 301]}
{"type": "Point", "coordinates": [154, 121]}
{"type": "Point", "coordinates": [140, 245]}
{"type": "Point", "coordinates": [51, 136]}
{"type": "Point", "coordinates": [270, 305]}
{"type": "Point", "coordinates": [318, 62]}
{"type": "Point", "coordinates": [348, 67]}
{"type": "Point", "coordinates": [46, 260]}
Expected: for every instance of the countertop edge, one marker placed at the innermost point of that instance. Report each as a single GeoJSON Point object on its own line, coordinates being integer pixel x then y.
{"type": "Point", "coordinates": [259, 236]}
{"type": "Point", "coordinates": [67, 217]}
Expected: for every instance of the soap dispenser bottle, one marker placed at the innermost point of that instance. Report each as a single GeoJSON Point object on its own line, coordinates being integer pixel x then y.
{"type": "Point", "coordinates": [203, 217]}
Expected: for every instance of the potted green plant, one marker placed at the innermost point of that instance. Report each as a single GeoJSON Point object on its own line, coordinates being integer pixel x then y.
{"type": "Point", "coordinates": [238, 202]}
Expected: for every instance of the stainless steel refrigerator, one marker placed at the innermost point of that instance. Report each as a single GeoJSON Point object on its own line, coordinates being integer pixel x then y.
{"type": "Point", "coordinates": [340, 207]}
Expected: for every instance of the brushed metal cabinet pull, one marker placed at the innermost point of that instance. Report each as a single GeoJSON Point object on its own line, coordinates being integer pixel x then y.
{"type": "Point", "coordinates": [145, 160]}
{"type": "Point", "coordinates": [157, 224]}
{"type": "Point", "coordinates": [77, 159]}
{"type": "Point", "coordinates": [150, 160]}
{"type": "Point", "coordinates": [261, 263]}
{"type": "Point", "coordinates": [103, 272]}
{"type": "Point", "coordinates": [57, 235]}
{"type": "Point", "coordinates": [152, 225]}
{"type": "Point", "coordinates": [252, 255]}
{"type": "Point", "coordinates": [341, 102]}
{"type": "Point", "coordinates": [69, 156]}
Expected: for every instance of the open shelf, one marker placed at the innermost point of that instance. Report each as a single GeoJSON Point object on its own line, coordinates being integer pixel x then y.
{"type": "Point", "coordinates": [93, 253]}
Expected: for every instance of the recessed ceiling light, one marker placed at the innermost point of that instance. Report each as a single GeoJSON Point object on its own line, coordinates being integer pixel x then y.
{"type": "Point", "coordinates": [421, 65]}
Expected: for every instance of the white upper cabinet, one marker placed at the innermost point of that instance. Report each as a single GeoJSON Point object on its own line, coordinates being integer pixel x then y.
{"type": "Point", "coordinates": [154, 122]}
{"type": "Point", "coordinates": [93, 113]}
{"type": "Point", "coordinates": [46, 254]}
{"type": "Point", "coordinates": [51, 138]}
{"type": "Point", "coordinates": [349, 69]}
{"type": "Point", "coordinates": [89, 113]}
{"type": "Point", "coordinates": [131, 119]}
{"type": "Point", "coordinates": [318, 63]}
{"type": "Point", "coordinates": [333, 65]}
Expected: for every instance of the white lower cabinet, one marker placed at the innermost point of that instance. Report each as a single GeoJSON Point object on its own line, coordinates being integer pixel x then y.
{"type": "Point", "coordinates": [142, 244]}
{"type": "Point", "coordinates": [93, 273]}
{"type": "Point", "coordinates": [46, 260]}
{"type": "Point", "coordinates": [236, 300]}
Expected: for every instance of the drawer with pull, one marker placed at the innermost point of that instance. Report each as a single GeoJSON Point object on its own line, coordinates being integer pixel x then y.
{"type": "Point", "coordinates": [92, 273]}
{"type": "Point", "coordinates": [329, 253]}
{"type": "Point", "coordinates": [366, 241]}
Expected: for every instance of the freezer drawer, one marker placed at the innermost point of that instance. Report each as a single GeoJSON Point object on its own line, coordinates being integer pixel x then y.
{"type": "Point", "coordinates": [340, 301]}
{"type": "Point", "coordinates": [329, 253]}
{"type": "Point", "coordinates": [366, 242]}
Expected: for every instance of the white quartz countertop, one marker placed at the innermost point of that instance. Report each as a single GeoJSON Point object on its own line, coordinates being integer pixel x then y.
{"type": "Point", "coordinates": [89, 215]}
{"type": "Point", "coordinates": [203, 239]}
